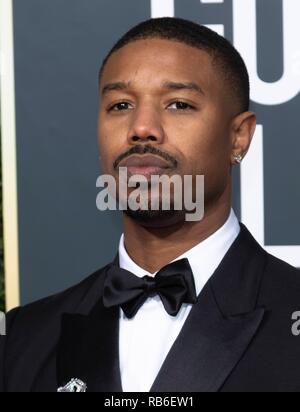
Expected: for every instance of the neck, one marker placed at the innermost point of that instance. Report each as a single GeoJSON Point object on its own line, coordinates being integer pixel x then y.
{"type": "Point", "coordinates": [162, 245]}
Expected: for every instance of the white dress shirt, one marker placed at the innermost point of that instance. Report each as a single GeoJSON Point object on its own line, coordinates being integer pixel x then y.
{"type": "Point", "coordinates": [146, 339]}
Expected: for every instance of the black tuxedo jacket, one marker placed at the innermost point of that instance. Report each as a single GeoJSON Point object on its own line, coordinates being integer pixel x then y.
{"type": "Point", "coordinates": [238, 336]}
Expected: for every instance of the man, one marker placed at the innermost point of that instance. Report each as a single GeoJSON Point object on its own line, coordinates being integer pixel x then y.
{"type": "Point", "coordinates": [186, 305]}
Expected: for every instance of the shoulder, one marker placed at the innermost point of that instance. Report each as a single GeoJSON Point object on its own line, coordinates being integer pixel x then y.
{"type": "Point", "coordinates": [281, 282]}
{"type": "Point", "coordinates": [75, 299]}
{"type": "Point", "coordinates": [278, 281]}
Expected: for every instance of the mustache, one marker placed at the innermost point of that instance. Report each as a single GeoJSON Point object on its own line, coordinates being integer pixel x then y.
{"type": "Point", "coordinates": [145, 150]}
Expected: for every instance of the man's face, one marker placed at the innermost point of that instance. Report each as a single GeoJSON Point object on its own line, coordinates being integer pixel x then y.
{"type": "Point", "coordinates": [164, 97]}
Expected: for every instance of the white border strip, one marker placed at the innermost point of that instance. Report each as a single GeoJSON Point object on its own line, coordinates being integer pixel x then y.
{"type": "Point", "coordinates": [9, 161]}
{"type": "Point", "coordinates": [162, 8]}
{"type": "Point", "coordinates": [252, 200]}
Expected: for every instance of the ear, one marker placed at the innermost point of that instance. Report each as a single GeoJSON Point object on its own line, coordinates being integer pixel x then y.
{"type": "Point", "coordinates": [242, 131]}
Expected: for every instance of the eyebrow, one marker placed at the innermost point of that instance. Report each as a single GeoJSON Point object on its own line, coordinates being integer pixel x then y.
{"type": "Point", "coordinates": [115, 86]}
{"type": "Point", "coordinates": [166, 85]}
{"type": "Point", "coordinates": [183, 86]}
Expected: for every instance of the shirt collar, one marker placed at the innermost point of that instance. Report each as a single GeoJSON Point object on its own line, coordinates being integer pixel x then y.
{"type": "Point", "coordinates": [204, 258]}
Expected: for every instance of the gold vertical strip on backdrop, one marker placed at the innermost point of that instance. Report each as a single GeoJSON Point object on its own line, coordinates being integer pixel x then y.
{"type": "Point", "coordinates": [9, 161]}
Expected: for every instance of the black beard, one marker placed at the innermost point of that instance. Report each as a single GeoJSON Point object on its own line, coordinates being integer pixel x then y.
{"type": "Point", "coordinates": [156, 218]}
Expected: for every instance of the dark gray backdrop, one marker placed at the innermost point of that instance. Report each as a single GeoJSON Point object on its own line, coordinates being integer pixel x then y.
{"type": "Point", "coordinates": [59, 45]}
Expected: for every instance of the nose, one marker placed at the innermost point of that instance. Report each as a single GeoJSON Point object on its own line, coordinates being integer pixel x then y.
{"type": "Point", "coordinates": [145, 127]}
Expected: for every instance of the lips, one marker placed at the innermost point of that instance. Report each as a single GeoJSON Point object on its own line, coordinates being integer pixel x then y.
{"type": "Point", "coordinates": [145, 165]}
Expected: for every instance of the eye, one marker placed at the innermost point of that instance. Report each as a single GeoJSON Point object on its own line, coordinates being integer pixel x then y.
{"type": "Point", "coordinates": [178, 105]}
{"type": "Point", "coordinates": [119, 107]}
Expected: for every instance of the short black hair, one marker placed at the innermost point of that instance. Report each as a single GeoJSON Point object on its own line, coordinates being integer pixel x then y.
{"type": "Point", "coordinates": [225, 57]}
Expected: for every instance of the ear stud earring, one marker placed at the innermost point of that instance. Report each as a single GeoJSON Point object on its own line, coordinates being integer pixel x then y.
{"type": "Point", "coordinates": [238, 158]}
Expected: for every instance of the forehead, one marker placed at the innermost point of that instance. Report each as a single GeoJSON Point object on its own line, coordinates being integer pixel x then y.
{"type": "Point", "coordinates": [149, 61]}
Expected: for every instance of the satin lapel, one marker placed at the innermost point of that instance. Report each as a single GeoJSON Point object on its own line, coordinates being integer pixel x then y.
{"type": "Point", "coordinates": [207, 349]}
{"type": "Point", "coordinates": [220, 326]}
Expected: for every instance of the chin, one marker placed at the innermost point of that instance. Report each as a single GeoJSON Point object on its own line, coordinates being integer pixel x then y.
{"type": "Point", "coordinates": [156, 218]}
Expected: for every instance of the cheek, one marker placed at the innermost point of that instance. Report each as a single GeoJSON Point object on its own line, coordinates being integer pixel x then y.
{"type": "Point", "coordinates": [107, 136]}
{"type": "Point", "coordinates": [111, 131]}
{"type": "Point", "coordinates": [111, 146]}
{"type": "Point", "coordinates": [106, 149]}
{"type": "Point", "coordinates": [204, 144]}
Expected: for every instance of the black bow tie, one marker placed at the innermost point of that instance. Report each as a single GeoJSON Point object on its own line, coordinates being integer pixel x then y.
{"type": "Point", "coordinates": [174, 284]}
